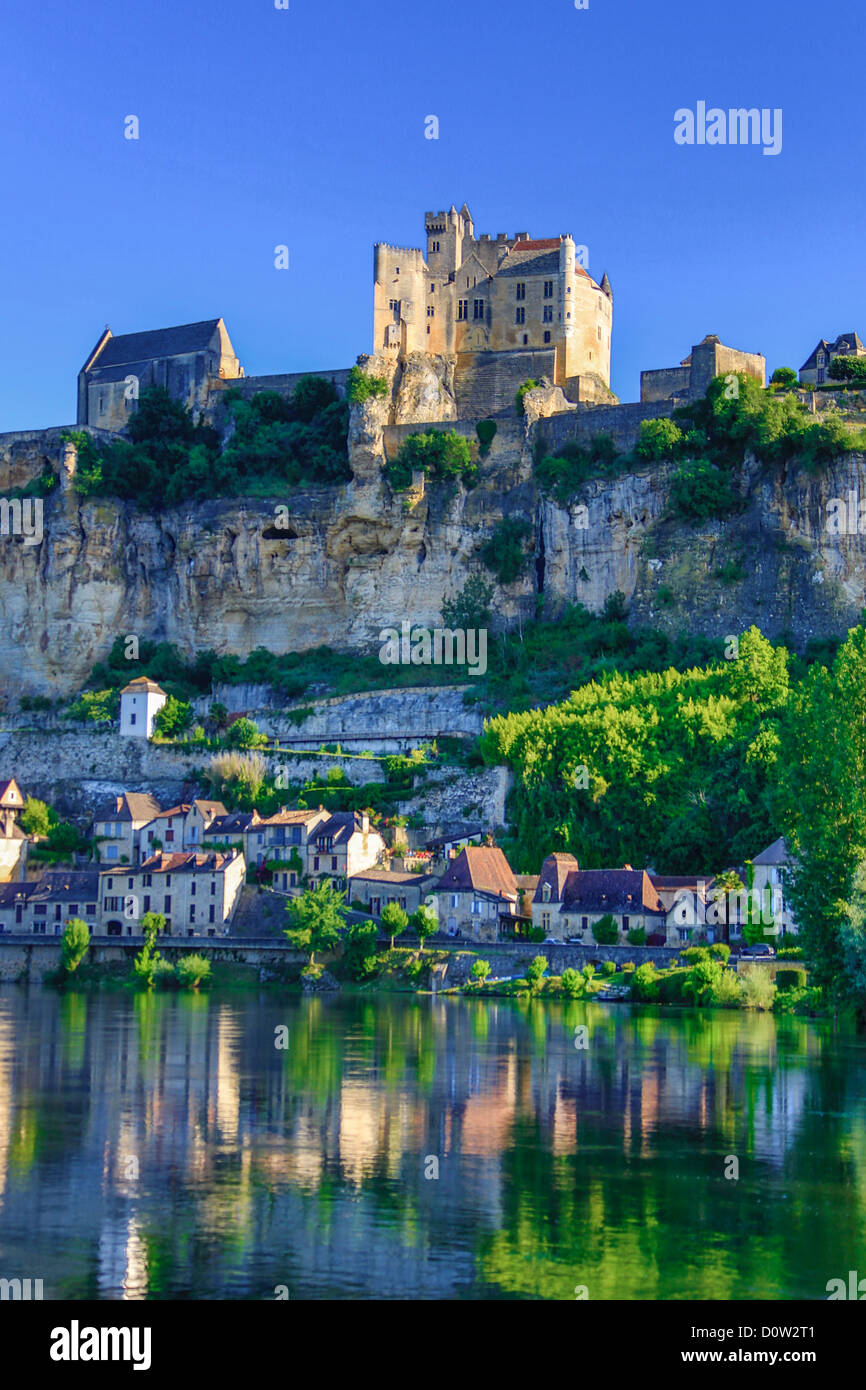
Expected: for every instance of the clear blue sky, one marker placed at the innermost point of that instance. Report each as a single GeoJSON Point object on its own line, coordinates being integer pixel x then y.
{"type": "Point", "coordinates": [306, 127]}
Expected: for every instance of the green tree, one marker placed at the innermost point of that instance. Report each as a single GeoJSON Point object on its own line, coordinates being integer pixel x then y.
{"type": "Point", "coordinates": [535, 971]}
{"type": "Point", "coordinates": [480, 970]}
{"type": "Point", "coordinates": [507, 553]}
{"type": "Point", "coordinates": [470, 609]}
{"type": "Point", "coordinates": [784, 376]}
{"type": "Point", "coordinates": [244, 733]}
{"type": "Point", "coordinates": [74, 944]}
{"type": "Point", "coordinates": [573, 983]}
{"type": "Point", "coordinates": [605, 930]}
{"type": "Point", "coordinates": [316, 917]}
{"type": "Point", "coordinates": [37, 818]}
{"type": "Point", "coordinates": [359, 953]}
{"type": "Point", "coordinates": [423, 923]}
{"type": "Point", "coordinates": [659, 439]}
{"type": "Point", "coordinates": [822, 803]}
{"type": "Point", "coordinates": [148, 960]}
{"type": "Point", "coordinates": [360, 387]}
{"type": "Point", "coordinates": [759, 672]}
{"type": "Point", "coordinates": [394, 920]}
{"type": "Point", "coordinates": [174, 717]}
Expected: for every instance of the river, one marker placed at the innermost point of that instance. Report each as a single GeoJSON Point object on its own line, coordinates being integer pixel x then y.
{"type": "Point", "coordinates": [261, 1146]}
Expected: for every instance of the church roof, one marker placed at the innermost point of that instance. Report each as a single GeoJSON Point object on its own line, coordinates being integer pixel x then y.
{"type": "Point", "coordinates": [129, 348]}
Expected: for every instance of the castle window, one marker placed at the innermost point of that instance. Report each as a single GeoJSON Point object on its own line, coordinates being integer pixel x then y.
{"type": "Point", "coordinates": [547, 337]}
{"type": "Point", "coordinates": [520, 316]}
{"type": "Point", "coordinates": [462, 309]}
{"type": "Point", "coordinates": [521, 290]}
{"type": "Point", "coordinates": [431, 312]}
{"type": "Point", "coordinates": [434, 246]}
{"type": "Point", "coordinates": [478, 309]}
{"type": "Point", "coordinates": [548, 289]}
{"type": "Point", "coordinates": [548, 313]}
{"type": "Point", "coordinates": [432, 289]}
{"type": "Point", "coordinates": [397, 270]}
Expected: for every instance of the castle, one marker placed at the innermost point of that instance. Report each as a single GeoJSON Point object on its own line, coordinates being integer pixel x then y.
{"type": "Point", "coordinates": [508, 309]}
{"type": "Point", "coordinates": [500, 311]}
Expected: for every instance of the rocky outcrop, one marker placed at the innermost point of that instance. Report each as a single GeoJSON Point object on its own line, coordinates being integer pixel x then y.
{"type": "Point", "coordinates": [356, 559]}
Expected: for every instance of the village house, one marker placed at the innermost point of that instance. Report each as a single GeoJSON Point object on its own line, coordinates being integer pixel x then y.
{"type": "Point", "coordinates": [343, 845]}
{"type": "Point", "coordinates": [769, 883]}
{"type": "Point", "coordinates": [815, 371]}
{"type": "Point", "coordinates": [569, 901]}
{"type": "Point", "coordinates": [478, 895]}
{"type": "Point", "coordinates": [375, 888]}
{"type": "Point", "coordinates": [116, 825]}
{"type": "Point", "coordinates": [181, 827]}
{"type": "Point", "coordinates": [140, 702]}
{"type": "Point", "coordinates": [196, 893]}
{"type": "Point", "coordinates": [278, 841]}
{"type": "Point", "coordinates": [45, 906]}
{"type": "Point", "coordinates": [684, 898]}
{"type": "Point", "coordinates": [13, 841]}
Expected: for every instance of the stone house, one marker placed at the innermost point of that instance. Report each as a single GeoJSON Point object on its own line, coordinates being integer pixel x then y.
{"type": "Point", "coordinates": [708, 359]}
{"type": "Point", "coordinates": [188, 361]}
{"type": "Point", "coordinates": [684, 898]}
{"type": "Point", "coordinates": [196, 893]}
{"type": "Point", "coordinates": [44, 906]}
{"type": "Point", "coordinates": [505, 308]}
{"type": "Point", "coordinates": [375, 888]}
{"type": "Point", "coordinates": [181, 827]}
{"type": "Point", "coordinates": [477, 890]}
{"type": "Point", "coordinates": [343, 845]}
{"type": "Point", "coordinates": [140, 702]}
{"type": "Point", "coordinates": [769, 882]}
{"type": "Point", "coordinates": [13, 841]}
{"type": "Point", "coordinates": [118, 823]}
{"type": "Point", "coordinates": [280, 840]}
{"type": "Point", "coordinates": [569, 901]}
{"type": "Point", "coordinates": [815, 371]}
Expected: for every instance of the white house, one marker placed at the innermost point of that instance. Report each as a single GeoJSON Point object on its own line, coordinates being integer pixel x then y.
{"type": "Point", "coordinates": [139, 703]}
{"type": "Point", "coordinates": [769, 881]}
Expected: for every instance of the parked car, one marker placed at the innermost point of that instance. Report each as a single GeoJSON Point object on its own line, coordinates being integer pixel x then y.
{"type": "Point", "coordinates": [552, 941]}
{"type": "Point", "coordinates": [759, 949]}
{"type": "Point", "coordinates": [574, 940]}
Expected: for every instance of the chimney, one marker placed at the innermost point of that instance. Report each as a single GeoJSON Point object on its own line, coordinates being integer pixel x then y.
{"type": "Point", "coordinates": [365, 823]}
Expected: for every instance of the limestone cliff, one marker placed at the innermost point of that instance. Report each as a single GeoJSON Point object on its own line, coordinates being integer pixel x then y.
{"type": "Point", "coordinates": [355, 558]}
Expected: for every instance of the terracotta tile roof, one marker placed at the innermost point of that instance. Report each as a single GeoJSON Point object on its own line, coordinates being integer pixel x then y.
{"type": "Point", "coordinates": [187, 862]}
{"type": "Point", "coordinates": [480, 869]}
{"type": "Point", "coordinates": [290, 817]}
{"type": "Point", "coordinates": [142, 685]}
{"type": "Point", "coordinates": [547, 244]}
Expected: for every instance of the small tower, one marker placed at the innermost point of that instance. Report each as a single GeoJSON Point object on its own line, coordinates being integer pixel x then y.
{"type": "Point", "coordinates": [140, 701]}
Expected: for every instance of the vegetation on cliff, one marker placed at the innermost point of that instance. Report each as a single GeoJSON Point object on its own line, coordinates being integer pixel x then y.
{"type": "Point", "coordinates": [271, 443]}
{"type": "Point", "coordinates": [440, 455]}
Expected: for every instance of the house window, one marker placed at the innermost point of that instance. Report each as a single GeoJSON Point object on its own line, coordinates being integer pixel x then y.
{"type": "Point", "coordinates": [166, 903]}
{"type": "Point", "coordinates": [168, 880]}
{"type": "Point", "coordinates": [476, 907]}
{"type": "Point", "coordinates": [584, 923]}
{"type": "Point", "coordinates": [545, 921]}
{"type": "Point", "coordinates": [545, 892]}
{"type": "Point", "coordinates": [147, 902]}
{"type": "Point", "coordinates": [333, 861]}
{"type": "Point", "coordinates": [316, 864]}
{"type": "Point", "coordinates": [90, 909]}
{"type": "Point", "coordinates": [132, 719]}
{"type": "Point", "coordinates": [192, 914]}
{"type": "Point", "coordinates": [521, 291]}
{"type": "Point", "coordinates": [213, 887]}
{"type": "Point", "coordinates": [520, 316]}
{"type": "Point", "coordinates": [148, 880]}
{"type": "Point", "coordinates": [548, 289]}
{"type": "Point", "coordinates": [548, 313]}
{"type": "Point", "coordinates": [192, 889]}
{"type": "Point", "coordinates": [547, 337]}
{"type": "Point", "coordinates": [454, 900]}
{"type": "Point", "coordinates": [212, 913]}
{"type": "Point", "coordinates": [478, 309]}
{"type": "Point", "coordinates": [625, 922]}
{"type": "Point", "coordinates": [525, 339]}
{"type": "Point", "coordinates": [462, 309]}
{"type": "Point", "coordinates": [109, 883]}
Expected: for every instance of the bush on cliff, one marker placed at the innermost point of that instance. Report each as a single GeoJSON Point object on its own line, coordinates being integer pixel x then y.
{"type": "Point", "coordinates": [360, 387]}
{"type": "Point", "coordinates": [507, 553]}
{"type": "Point", "coordinates": [438, 454]}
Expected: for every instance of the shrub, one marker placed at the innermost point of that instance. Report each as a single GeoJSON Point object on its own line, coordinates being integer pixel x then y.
{"type": "Point", "coordinates": [529, 385]}
{"type": "Point", "coordinates": [192, 970]}
{"type": "Point", "coordinates": [573, 983]}
{"type": "Point", "coordinates": [608, 967]}
{"type": "Point", "coordinates": [791, 979]}
{"type": "Point", "coordinates": [671, 985]}
{"type": "Point", "coordinates": [438, 454]}
{"type": "Point", "coordinates": [36, 818]}
{"type": "Point", "coordinates": [701, 491]}
{"type": "Point", "coordinates": [659, 439]}
{"type": "Point", "coordinates": [237, 778]}
{"type": "Point", "coordinates": [74, 944]}
{"type": "Point", "coordinates": [360, 387]}
{"type": "Point", "coordinates": [789, 953]}
{"type": "Point", "coordinates": [94, 706]}
{"type": "Point", "coordinates": [506, 553]}
{"type": "Point", "coordinates": [605, 930]}
{"type": "Point", "coordinates": [759, 992]}
{"type": "Point", "coordinates": [703, 981]}
{"type": "Point", "coordinates": [480, 970]}
{"type": "Point", "coordinates": [637, 936]}
{"type": "Point", "coordinates": [695, 954]}
{"type": "Point", "coordinates": [470, 609]}
{"type": "Point", "coordinates": [721, 951]}
{"type": "Point", "coordinates": [486, 431]}
{"type": "Point", "coordinates": [644, 984]}
{"type": "Point", "coordinates": [627, 967]}
{"type": "Point", "coordinates": [728, 990]}
{"type": "Point", "coordinates": [588, 972]}
{"type": "Point", "coordinates": [784, 376]}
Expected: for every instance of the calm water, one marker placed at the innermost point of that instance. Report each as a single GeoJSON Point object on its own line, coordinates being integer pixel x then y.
{"type": "Point", "coordinates": [164, 1147]}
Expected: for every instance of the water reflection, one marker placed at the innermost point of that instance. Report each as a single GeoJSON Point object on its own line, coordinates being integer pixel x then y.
{"type": "Point", "coordinates": [163, 1146]}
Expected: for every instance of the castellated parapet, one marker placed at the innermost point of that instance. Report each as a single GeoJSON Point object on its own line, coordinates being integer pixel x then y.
{"type": "Point", "coordinates": [500, 306]}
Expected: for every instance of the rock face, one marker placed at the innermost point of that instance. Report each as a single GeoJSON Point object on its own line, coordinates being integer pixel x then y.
{"type": "Point", "coordinates": [356, 559]}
